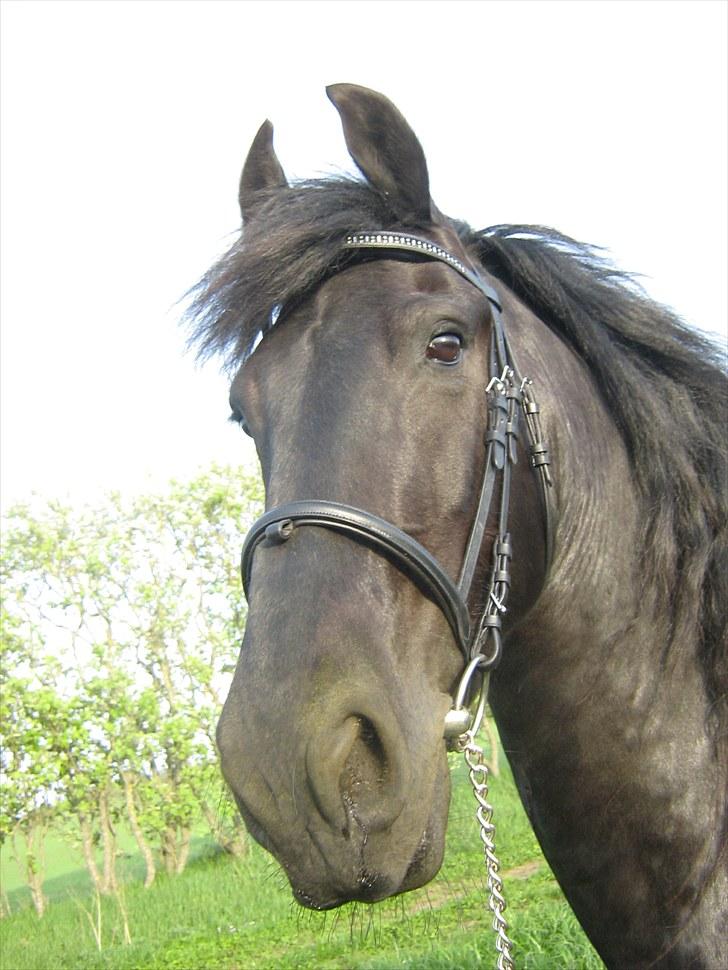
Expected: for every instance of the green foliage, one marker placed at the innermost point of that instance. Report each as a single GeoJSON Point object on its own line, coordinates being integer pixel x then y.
{"type": "Point", "coordinates": [29, 763]}
{"type": "Point", "coordinates": [120, 627]}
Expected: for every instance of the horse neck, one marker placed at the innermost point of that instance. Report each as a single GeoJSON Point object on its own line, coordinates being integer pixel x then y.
{"type": "Point", "coordinates": [604, 728]}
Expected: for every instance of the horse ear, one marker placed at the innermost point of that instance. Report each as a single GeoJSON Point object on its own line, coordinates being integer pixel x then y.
{"type": "Point", "coordinates": [385, 149]}
{"type": "Point", "coordinates": [262, 170]}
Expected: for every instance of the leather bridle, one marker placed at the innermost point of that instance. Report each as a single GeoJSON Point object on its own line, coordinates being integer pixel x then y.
{"type": "Point", "coordinates": [508, 394]}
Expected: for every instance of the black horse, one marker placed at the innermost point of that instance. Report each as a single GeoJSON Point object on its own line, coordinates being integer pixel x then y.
{"type": "Point", "coordinates": [371, 388]}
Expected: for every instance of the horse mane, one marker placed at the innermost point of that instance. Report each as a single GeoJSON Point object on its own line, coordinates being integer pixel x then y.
{"type": "Point", "coordinates": [664, 384]}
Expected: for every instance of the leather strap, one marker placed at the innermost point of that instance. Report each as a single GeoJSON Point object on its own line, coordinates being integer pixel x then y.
{"type": "Point", "coordinates": [413, 559]}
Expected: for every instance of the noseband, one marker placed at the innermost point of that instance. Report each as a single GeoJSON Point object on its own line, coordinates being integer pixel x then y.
{"type": "Point", "coordinates": [507, 394]}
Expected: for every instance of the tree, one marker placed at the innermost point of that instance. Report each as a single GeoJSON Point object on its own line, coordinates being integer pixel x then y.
{"type": "Point", "coordinates": [30, 774]}
{"type": "Point", "coordinates": [122, 623]}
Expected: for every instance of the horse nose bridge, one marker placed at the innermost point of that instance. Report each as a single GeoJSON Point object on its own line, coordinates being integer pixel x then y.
{"type": "Point", "coordinates": [327, 590]}
{"type": "Point", "coordinates": [357, 767]}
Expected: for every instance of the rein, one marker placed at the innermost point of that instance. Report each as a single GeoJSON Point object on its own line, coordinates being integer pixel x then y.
{"type": "Point", "coordinates": [508, 395]}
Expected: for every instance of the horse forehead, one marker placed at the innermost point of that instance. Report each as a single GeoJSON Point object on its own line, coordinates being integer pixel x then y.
{"type": "Point", "coordinates": [374, 293]}
{"type": "Point", "coordinates": [348, 324]}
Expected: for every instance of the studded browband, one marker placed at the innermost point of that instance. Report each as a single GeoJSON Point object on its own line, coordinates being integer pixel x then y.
{"type": "Point", "coordinates": [430, 250]}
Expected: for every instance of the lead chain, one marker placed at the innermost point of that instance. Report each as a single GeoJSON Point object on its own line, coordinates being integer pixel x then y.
{"type": "Point", "coordinates": [479, 780]}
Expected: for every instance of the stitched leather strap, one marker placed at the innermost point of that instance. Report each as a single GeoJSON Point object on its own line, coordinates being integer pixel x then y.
{"type": "Point", "coordinates": [280, 523]}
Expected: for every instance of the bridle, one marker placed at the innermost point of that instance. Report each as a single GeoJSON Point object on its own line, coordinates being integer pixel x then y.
{"type": "Point", "coordinates": [508, 394]}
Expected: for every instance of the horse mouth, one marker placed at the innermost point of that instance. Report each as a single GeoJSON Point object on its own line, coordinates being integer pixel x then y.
{"type": "Point", "coordinates": [309, 902]}
{"type": "Point", "coordinates": [372, 850]}
{"type": "Point", "coordinates": [370, 889]}
{"type": "Point", "coordinates": [339, 883]}
{"type": "Point", "coordinates": [342, 815]}
{"type": "Point", "coordinates": [340, 870]}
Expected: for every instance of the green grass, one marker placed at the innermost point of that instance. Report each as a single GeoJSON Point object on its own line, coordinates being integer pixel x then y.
{"type": "Point", "coordinates": [240, 915]}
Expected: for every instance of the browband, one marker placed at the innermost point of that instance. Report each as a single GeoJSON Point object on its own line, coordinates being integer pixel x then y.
{"type": "Point", "coordinates": [414, 244]}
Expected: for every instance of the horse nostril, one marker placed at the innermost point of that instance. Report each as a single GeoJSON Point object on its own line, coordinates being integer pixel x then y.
{"type": "Point", "coordinates": [366, 766]}
{"type": "Point", "coordinates": [356, 774]}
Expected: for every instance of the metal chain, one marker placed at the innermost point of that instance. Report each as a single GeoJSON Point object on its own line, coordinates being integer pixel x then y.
{"type": "Point", "coordinates": [479, 780]}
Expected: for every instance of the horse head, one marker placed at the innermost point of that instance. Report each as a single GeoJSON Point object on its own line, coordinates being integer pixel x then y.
{"type": "Point", "coordinates": [373, 345]}
{"type": "Point", "coordinates": [368, 392]}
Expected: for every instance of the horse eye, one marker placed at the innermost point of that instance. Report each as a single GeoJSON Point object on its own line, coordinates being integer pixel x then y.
{"type": "Point", "coordinates": [446, 348]}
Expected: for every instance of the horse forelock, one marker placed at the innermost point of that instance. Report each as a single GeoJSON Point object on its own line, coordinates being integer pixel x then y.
{"type": "Point", "coordinates": [293, 242]}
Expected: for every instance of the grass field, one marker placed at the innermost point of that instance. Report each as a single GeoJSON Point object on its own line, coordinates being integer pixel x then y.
{"type": "Point", "coordinates": [240, 915]}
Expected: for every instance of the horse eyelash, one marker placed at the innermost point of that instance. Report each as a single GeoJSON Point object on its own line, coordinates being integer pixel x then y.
{"type": "Point", "coordinates": [239, 419]}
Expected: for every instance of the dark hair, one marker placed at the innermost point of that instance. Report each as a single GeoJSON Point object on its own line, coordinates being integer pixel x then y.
{"type": "Point", "coordinates": [293, 242]}
{"type": "Point", "coordinates": [666, 388]}
{"type": "Point", "coordinates": [664, 383]}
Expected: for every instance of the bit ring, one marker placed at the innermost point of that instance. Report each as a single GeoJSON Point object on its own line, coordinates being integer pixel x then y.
{"type": "Point", "coordinates": [459, 706]}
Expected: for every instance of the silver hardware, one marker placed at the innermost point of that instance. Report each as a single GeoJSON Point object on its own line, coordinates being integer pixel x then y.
{"type": "Point", "coordinates": [458, 713]}
{"type": "Point", "coordinates": [409, 242]}
{"type": "Point", "coordinates": [457, 722]}
{"type": "Point", "coordinates": [497, 383]}
{"type": "Point", "coordinates": [478, 774]}
{"type": "Point", "coordinates": [464, 741]}
{"type": "Point", "coordinates": [278, 532]}
{"type": "Point", "coordinates": [500, 383]}
{"type": "Point", "coordinates": [396, 240]}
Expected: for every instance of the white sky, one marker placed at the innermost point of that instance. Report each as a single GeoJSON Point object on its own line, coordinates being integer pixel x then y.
{"type": "Point", "coordinates": [125, 125]}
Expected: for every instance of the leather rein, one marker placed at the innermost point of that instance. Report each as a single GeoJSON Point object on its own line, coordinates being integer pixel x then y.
{"type": "Point", "coordinates": [508, 396]}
